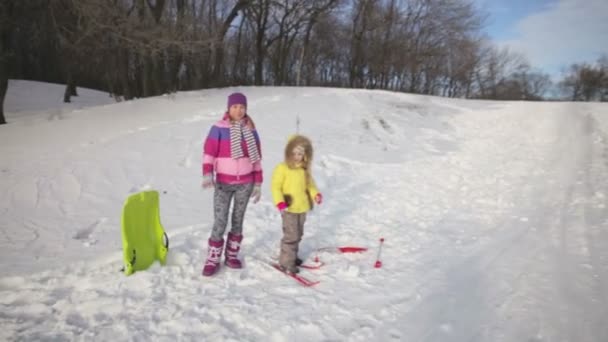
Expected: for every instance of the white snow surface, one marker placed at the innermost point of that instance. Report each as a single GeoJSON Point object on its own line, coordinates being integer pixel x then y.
{"type": "Point", "coordinates": [493, 213]}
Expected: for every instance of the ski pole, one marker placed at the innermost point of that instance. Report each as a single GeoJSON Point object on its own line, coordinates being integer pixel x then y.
{"type": "Point", "coordinates": [378, 263]}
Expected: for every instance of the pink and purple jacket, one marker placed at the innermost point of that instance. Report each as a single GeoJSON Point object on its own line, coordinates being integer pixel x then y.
{"type": "Point", "coordinates": [217, 158]}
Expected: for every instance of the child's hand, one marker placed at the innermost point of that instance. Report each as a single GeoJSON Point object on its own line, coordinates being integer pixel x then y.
{"type": "Point", "coordinates": [256, 193]}
{"type": "Point", "coordinates": [208, 182]}
{"type": "Point", "coordinates": [319, 198]}
{"type": "Point", "coordinates": [282, 206]}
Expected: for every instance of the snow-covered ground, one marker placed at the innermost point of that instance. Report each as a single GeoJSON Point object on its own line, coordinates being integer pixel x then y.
{"type": "Point", "coordinates": [494, 215]}
{"type": "Point", "coordinates": [29, 101]}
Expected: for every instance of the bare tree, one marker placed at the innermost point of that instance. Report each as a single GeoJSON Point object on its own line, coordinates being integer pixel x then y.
{"type": "Point", "coordinates": [72, 35]}
{"type": "Point", "coordinates": [524, 84]}
{"type": "Point", "coordinates": [328, 60]}
{"type": "Point", "coordinates": [259, 14]}
{"type": "Point", "coordinates": [362, 25]}
{"type": "Point", "coordinates": [314, 9]}
{"type": "Point", "coordinates": [584, 82]}
{"type": "Point", "coordinates": [7, 10]}
{"type": "Point", "coordinates": [538, 85]}
{"type": "Point", "coordinates": [571, 84]}
{"type": "Point", "coordinates": [218, 47]}
{"type": "Point", "coordinates": [591, 79]}
{"type": "Point", "coordinates": [603, 69]}
{"type": "Point", "coordinates": [495, 68]}
{"type": "Point", "coordinates": [136, 48]}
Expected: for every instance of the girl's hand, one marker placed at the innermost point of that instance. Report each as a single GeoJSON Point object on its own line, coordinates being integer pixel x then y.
{"type": "Point", "coordinates": [207, 182]}
{"type": "Point", "coordinates": [319, 198]}
{"type": "Point", "coordinates": [282, 206]}
{"type": "Point", "coordinates": [256, 193]}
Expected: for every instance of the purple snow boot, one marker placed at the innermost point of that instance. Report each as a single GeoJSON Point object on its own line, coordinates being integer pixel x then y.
{"type": "Point", "coordinates": [214, 255]}
{"type": "Point", "coordinates": [233, 245]}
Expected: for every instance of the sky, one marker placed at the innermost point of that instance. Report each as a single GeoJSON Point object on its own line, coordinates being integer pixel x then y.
{"type": "Point", "coordinates": [552, 34]}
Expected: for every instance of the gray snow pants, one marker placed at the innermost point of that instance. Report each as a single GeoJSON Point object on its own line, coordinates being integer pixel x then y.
{"type": "Point", "coordinates": [293, 229]}
{"type": "Point", "coordinates": [222, 197]}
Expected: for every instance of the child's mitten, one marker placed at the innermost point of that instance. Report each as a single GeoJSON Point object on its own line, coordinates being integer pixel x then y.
{"type": "Point", "coordinates": [256, 193]}
{"type": "Point", "coordinates": [208, 181]}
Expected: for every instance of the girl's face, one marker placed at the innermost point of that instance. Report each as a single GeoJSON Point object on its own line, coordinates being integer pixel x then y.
{"type": "Point", "coordinates": [297, 154]}
{"type": "Point", "coordinates": [237, 112]}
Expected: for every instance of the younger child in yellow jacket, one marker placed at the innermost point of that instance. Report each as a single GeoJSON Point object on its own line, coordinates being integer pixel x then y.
{"type": "Point", "coordinates": [293, 192]}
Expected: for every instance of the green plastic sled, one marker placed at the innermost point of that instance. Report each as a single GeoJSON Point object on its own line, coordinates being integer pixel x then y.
{"type": "Point", "coordinates": [142, 232]}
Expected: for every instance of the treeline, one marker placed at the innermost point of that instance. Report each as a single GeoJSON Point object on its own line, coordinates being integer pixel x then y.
{"type": "Point", "coordinates": [139, 48]}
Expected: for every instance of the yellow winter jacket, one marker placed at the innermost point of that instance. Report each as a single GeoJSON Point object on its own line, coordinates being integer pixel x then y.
{"type": "Point", "coordinates": [292, 182]}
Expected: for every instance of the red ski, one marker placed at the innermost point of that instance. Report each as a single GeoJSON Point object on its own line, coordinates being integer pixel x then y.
{"type": "Point", "coordinates": [312, 266]}
{"type": "Point", "coordinates": [342, 250]}
{"type": "Point", "coordinates": [300, 279]}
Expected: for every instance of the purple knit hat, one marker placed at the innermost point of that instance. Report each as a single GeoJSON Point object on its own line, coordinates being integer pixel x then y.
{"type": "Point", "coordinates": [237, 98]}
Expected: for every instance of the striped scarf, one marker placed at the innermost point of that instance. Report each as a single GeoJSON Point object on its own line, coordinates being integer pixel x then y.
{"type": "Point", "coordinates": [238, 130]}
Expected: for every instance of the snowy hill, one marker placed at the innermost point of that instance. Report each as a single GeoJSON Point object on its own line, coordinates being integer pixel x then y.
{"type": "Point", "coordinates": [29, 100]}
{"type": "Point", "coordinates": [494, 215]}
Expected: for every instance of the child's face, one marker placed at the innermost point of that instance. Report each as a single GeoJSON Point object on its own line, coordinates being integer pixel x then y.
{"type": "Point", "coordinates": [297, 155]}
{"type": "Point", "coordinates": [237, 112]}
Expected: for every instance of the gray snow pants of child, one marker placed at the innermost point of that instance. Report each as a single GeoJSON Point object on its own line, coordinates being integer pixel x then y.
{"type": "Point", "coordinates": [221, 203]}
{"type": "Point", "coordinates": [293, 229]}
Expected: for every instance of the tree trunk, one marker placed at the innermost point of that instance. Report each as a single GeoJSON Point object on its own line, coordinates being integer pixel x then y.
{"type": "Point", "coordinates": [3, 88]}
{"type": "Point", "coordinates": [157, 9]}
{"type": "Point", "coordinates": [157, 74]}
{"type": "Point", "coordinates": [259, 66]}
{"type": "Point", "coordinates": [237, 54]}
{"type": "Point", "coordinates": [175, 66]}
{"type": "Point", "coordinates": [6, 12]}
{"type": "Point", "coordinates": [73, 89]}
{"type": "Point", "coordinates": [175, 55]}
{"type": "Point", "coordinates": [305, 45]}
{"type": "Point", "coordinates": [145, 76]}
{"type": "Point", "coordinates": [68, 87]}
{"type": "Point", "coordinates": [260, 46]}
{"type": "Point", "coordinates": [219, 45]}
{"type": "Point", "coordinates": [123, 61]}
{"type": "Point", "coordinates": [359, 27]}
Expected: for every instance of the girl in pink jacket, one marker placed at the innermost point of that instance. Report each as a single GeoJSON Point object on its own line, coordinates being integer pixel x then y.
{"type": "Point", "coordinates": [232, 165]}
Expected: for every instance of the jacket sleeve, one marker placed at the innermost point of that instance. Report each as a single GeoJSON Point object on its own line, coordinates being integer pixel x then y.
{"type": "Point", "coordinates": [258, 173]}
{"type": "Point", "coordinates": [312, 188]}
{"type": "Point", "coordinates": [278, 177]}
{"type": "Point", "coordinates": [210, 150]}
